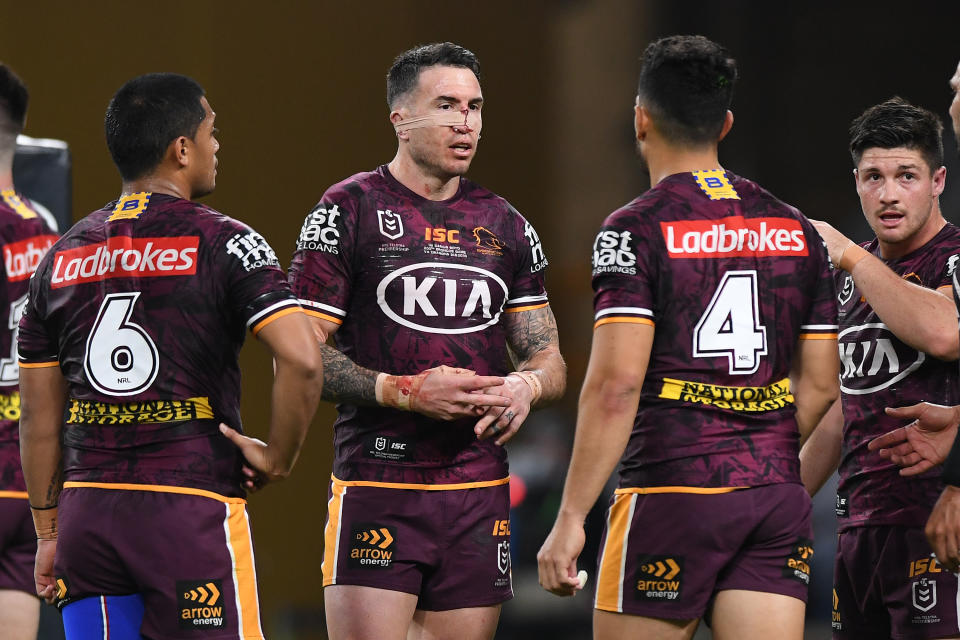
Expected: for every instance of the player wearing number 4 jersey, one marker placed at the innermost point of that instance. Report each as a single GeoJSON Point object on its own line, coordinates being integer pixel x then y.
{"type": "Point", "coordinates": [24, 238]}
{"type": "Point", "coordinates": [712, 358]}
{"type": "Point", "coordinates": [133, 326]}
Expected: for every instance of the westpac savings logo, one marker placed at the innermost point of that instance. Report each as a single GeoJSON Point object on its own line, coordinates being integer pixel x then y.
{"type": "Point", "coordinates": [872, 359]}
{"type": "Point", "coordinates": [438, 297]}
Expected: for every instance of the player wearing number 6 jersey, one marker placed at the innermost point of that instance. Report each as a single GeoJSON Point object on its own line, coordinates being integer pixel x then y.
{"type": "Point", "coordinates": [712, 357]}
{"type": "Point", "coordinates": [133, 326]}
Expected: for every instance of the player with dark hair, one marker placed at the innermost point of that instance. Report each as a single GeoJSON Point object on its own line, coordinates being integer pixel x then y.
{"type": "Point", "coordinates": [134, 324]}
{"type": "Point", "coordinates": [898, 342]}
{"type": "Point", "coordinates": [24, 238]}
{"type": "Point", "coordinates": [713, 357]}
{"type": "Point", "coordinates": [430, 286]}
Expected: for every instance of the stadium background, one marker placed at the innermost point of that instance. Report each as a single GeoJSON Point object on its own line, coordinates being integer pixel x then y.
{"type": "Point", "coordinates": [298, 88]}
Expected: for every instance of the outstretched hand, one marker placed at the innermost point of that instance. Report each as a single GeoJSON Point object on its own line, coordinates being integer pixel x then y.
{"type": "Point", "coordinates": [922, 444]}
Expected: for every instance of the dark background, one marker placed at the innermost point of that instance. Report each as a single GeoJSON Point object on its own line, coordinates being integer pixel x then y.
{"type": "Point", "coordinates": [298, 88]}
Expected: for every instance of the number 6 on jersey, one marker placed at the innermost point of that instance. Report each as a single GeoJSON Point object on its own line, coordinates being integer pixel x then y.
{"type": "Point", "coordinates": [121, 359]}
{"type": "Point", "coordinates": [731, 326]}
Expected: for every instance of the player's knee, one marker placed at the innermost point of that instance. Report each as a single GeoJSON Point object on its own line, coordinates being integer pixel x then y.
{"type": "Point", "coordinates": [86, 619]}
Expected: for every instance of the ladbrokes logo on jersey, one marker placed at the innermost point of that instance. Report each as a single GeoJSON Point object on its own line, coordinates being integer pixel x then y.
{"type": "Point", "coordinates": [734, 237]}
{"type": "Point", "coordinates": [21, 258]}
{"type": "Point", "coordinates": [125, 257]}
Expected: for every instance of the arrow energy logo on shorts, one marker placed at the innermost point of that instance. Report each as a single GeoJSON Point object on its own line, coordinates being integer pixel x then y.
{"type": "Point", "coordinates": [372, 546]}
{"type": "Point", "coordinates": [659, 577]}
{"type": "Point", "coordinates": [201, 604]}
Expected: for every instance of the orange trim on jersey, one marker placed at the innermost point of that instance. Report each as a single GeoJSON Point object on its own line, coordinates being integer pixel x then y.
{"type": "Point", "coordinates": [160, 488]}
{"type": "Point", "coordinates": [610, 575]}
{"type": "Point", "coordinates": [331, 535]}
{"type": "Point", "coordinates": [14, 494]}
{"type": "Point", "coordinates": [421, 487]}
{"type": "Point", "coordinates": [244, 572]}
{"type": "Point", "coordinates": [39, 365]}
{"type": "Point", "coordinates": [530, 308]}
{"type": "Point", "coordinates": [629, 320]}
{"type": "Point", "coordinates": [700, 490]}
{"type": "Point", "coordinates": [279, 314]}
{"type": "Point", "coordinates": [818, 336]}
{"type": "Point", "coordinates": [317, 314]}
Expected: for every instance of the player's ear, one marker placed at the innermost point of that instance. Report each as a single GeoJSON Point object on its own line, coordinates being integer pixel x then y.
{"type": "Point", "coordinates": [939, 181]}
{"type": "Point", "coordinates": [179, 150]}
{"type": "Point", "coordinates": [641, 120]}
{"type": "Point", "coordinates": [727, 125]}
{"type": "Point", "coordinates": [395, 117]}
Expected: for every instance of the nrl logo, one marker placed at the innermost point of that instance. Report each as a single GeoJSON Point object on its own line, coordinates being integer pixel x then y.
{"type": "Point", "coordinates": [503, 556]}
{"type": "Point", "coordinates": [924, 594]}
{"type": "Point", "coordinates": [844, 296]}
{"type": "Point", "coordinates": [391, 224]}
{"type": "Point", "coordinates": [380, 443]}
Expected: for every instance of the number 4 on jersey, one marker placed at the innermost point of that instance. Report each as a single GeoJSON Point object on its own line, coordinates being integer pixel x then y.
{"type": "Point", "coordinates": [731, 327]}
{"type": "Point", "coordinates": [121, 358]}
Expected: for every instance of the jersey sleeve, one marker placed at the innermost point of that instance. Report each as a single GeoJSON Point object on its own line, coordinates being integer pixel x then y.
{"type": "Point", "coordinates": [624, 272]}
{"type": "Point", "coordinates": [528, 290]}
{"type": "Point", "coordinates": [321, 270]}
{"type": "Point", "coordinates": [821, 321]}
{"type": "Point", "coordinates": [257, 289]}
{"type": "Point", "coordinates": [949, 260]}
{"type": "Point", "coordinates": [37, 345]}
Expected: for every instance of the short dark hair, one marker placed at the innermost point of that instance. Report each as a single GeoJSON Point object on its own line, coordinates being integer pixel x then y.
{"type": "Point", "coordinates": [146, 115]}
{"type": "Point", "coordinates": [13, 101]}
{"type": "Point", "coordinates": [405, 71]}
{"type": "Point", "coordinates": [897, 123]}
{"type": "Point", "coordinates": [686, 83]}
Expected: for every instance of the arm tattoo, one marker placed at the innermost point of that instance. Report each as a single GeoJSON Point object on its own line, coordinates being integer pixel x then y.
{"type": "Point", "coordinates": [55, 485]}
{"type": "Point", "coordinates": [529, 332]}
{"type": "Point", "coordinates": [346, 381]}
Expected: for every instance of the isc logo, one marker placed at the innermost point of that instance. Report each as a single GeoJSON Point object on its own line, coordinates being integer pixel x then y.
{"type": "Point", "coordinates": [924, 565]}
{"type": "Point", "coordinates": [438, 297]}
{"type": "Point", "coordinates": [873, 359]}
{"type": "Point", "coordinates": [438, 234]}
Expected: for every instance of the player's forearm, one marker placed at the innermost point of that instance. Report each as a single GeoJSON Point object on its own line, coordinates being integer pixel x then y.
{"type": "Point", "coordinates": [604, 422]}
{"type": "Point", "coordinates": [923, 318]}
{"type": "Point", "coordinates": [820, 455]}
{"type": "Point", "coordinates": [551, 372]}
{"type": "Point", "coordinates": [346, 381]}
{"type": "Point", "coordinates": [296, 394]}
{"type": "Point", "coordinates": [42, 397]}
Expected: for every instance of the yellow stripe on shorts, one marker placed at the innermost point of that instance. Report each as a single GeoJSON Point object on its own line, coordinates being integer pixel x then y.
{"type": "Point", "coordinates": [331, 534]}
{"type": "Point", "coordinates": [610, 578]}
{"type": "Point", "coordinates": [240, 544]}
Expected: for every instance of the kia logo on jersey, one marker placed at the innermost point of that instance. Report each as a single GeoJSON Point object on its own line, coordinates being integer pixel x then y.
{"type": "Point", "coordinates": [734, 237]}
{"type": "Point", "coordinates": [125, 257]}
{"type": "Point", "coordinates": [872, 359]}
{"type": "Point", "coordinates": [437, 297]}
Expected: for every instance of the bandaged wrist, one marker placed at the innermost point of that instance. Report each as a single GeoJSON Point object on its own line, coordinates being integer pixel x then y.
{"type": "Point", "coordinates": [850, 256]}
{"type": "Point", "coordinates": [399, 392]}
{"type": "Point", "coordinates": [45, 522]}
{"type": "Point", "coordinates": [533, 380]}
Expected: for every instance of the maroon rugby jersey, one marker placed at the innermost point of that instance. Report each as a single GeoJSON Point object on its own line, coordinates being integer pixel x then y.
{"type": "Point", "coordinates": [731, 278]}
{"type": "Point", "coordinates": [144, 305]}
{"type": "Point", "coordinates": [24, 238]}
{"type": "Point", "coordinates": [878, 371]}
{"type": "Point", "coordinates": [415, 284]}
